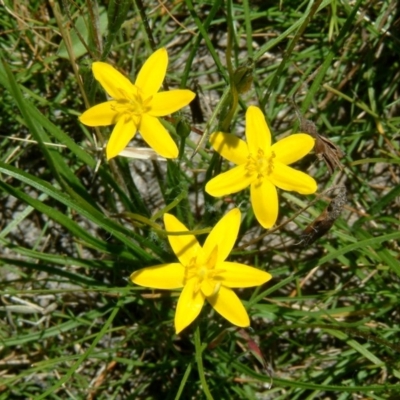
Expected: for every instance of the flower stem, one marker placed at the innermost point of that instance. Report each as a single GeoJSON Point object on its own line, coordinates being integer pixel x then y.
{"type": "Point", "coordinates": [199, 361]}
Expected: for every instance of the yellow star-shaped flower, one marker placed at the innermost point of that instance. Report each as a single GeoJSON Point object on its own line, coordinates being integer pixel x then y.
{"type": "Point", "coordinates": [136, 107]}
{"type": "Point", "coordinates": [262, 166]}
{"type": "Point", "coordinates": [203, 272]}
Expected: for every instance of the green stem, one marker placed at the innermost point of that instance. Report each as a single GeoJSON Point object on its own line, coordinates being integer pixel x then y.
{"type": "Point", "coordinates": [233, 99]}
{"type": "Point", "coordinates": [206, 134]}
{"type": "Point", "coordinates": [199, 361]}
{"type": "Point", "coordinates": [314, 8]}
{"type": "Point", "coordinates": [145, 21]}
{"type": "Point", "coordinates": [210, 18]}
{"type": "Point", "coordinates": [183, 382]}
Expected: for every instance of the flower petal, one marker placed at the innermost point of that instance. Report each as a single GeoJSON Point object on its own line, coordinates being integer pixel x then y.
{"type": "Point", "coordinates": [101, 115]}
{"type": "Point", "coordinates": [208, 287]}
{"type": "Point", "coordinates": [164, 276]}
{"type": "Point", "coordinates": [258, 134]}
{"type": "Point", "coordinates": [114, 83]}
{"type": "Point", "coordinates": [157, 137]}
{"type": "Point", "coordinates": [152, 73]}
{"type": "Point", "coordinates": [264, 200]}
{"type": "Point", "coordinates": [292, 148]}
{"type": "Point", "coordinates": [185, 247]}
{"type": "Point", "coordinates": [231, 181]}
{"type": "Point", "coordinates": [121, 135]}
{"type": "Point", "coordinates": [165, 103]}
{"type": "Point", "coordinates": [223, 235]}
{"type": "Point", "coordinates": [288, 178]}
{"type": "Point", "coordinates": [230, 147]}
{"type": "Point", "coordinates": [189, 306]}
{"type": "Point", "coordinates": [238, 275]}
{"type": "Point", "coordinates": [226, 303]}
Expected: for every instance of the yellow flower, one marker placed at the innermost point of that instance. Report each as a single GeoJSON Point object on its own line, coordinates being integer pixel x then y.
{"type": "Point", "coordinates": [135, 107]}
{"type": "Point", "coordinates": [203, 272]}
{"type": "Point", "coordinates": [261, 166]}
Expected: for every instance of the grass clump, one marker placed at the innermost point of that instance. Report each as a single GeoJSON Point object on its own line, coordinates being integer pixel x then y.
{"type": "Point", "coordinates": [75, 226]}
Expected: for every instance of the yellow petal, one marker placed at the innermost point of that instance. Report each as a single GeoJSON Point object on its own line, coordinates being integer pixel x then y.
{"type": "Point", "coordinates": [230, 147]}
{"type": "Point", "coordinates": [223, 235]}
{"type": "Point", "coordinates": [208, 288]}
{"type": "Point", "coordinates": [101, 115]}
{"type": "Point", "coordinates": [226, 303]}
{"type": "Point", "coordinates": [152, 73]}
{"type": "Point", "coordinates": [288, 178]}
{"type": "Point", "coordinates": [164, 276]}
{"type": "Point", "coordinates": [185, 247]}
{"type": "Point", "coordinates": [121, 135]}
{"type": "Point", "coordinates": [236, 275]}
{"type": "Point", "coordinates": [258, 134]}
{"type": "Point", "coordinates": [113, 82]}
{"type": "Point", "coordinates": [292, 148]}
{"type": "Point", "coordinates": [165, 103]}
{"type": "Point", "coordinates": [230, 182]}
{"type": "Point", "coordinates": [264, 200]}
{"type": "Point", "coordinates": [189, 306]}
{"type": "Point", "coordinates": [157, 137]}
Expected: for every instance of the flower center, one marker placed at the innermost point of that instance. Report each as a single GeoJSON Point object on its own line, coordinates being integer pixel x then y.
{"type": "Point", "coordinates": [261, 164]}
{"type": "Point", "coordinates": [132, 103]}
{"type": "Point", "coordinates": [205, 273]}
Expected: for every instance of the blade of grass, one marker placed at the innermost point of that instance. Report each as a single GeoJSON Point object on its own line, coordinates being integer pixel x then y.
{"type": "Point", "coordinates": [82, 207]}
{"type": "Point", "coordinates": [86, 354]}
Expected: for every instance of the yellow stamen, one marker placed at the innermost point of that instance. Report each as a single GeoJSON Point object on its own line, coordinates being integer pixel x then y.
{"type": "Point", "coordinates": [261, 164]}
{"type": "Point", "coordinates": [132, 103]}
{"type": "Point", "coordinates": [204, 271]}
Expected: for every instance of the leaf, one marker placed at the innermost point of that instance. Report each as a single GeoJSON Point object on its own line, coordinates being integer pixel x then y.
{"type": "Point", "coordinates": [81, 26]}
